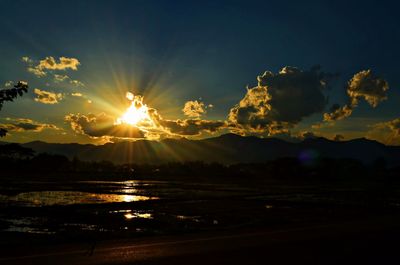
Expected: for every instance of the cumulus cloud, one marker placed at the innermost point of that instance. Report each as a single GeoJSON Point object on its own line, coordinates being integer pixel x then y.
{"type": "Point", "coordinates": [47, 97]}
{"type": "Point", "coordinates": [279, 101]}
{"type": "Point", "coordinates": [51, 64]}
{"type": "Point", "coordinates": [364, 85]}
{"type": "Point", "coordinates": [194, 109]}
{"type": "Point", "coordinates": [22, 125]}
{"type": "Point", "coordinates": [64, 63]}
{"type": "Point", "coordinates": [101, 125]}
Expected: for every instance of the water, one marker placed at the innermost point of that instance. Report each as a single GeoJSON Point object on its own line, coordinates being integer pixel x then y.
{"type": "Point", "coordinates": [49, 198]}
{"type": "Point", "coordinates": [130, 208]}
{"type": "Point", "coordinates": [108, 206]}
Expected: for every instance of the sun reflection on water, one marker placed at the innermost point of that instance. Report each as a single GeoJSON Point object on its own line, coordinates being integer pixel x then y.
{"type": "Point", "coordinates": [47, 198]}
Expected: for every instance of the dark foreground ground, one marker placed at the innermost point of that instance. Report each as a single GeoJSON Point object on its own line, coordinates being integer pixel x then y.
{"type": "Point", "coordinates": [183, 222]}
{"type": "Point", "coordinates": [372, 241]}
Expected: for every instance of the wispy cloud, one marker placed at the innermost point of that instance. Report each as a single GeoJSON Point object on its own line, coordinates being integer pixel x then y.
{"type": "Point", "coordinates": [387, 132]}
{"type": "Point", "coordinates": [22, 125]}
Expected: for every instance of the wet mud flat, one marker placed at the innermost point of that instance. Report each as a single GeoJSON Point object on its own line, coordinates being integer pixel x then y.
{"type": "Point", "coordinates": [46, 212]}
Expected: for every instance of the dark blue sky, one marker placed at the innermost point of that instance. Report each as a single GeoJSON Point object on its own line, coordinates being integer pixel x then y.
{"type": "Point", "coordinates": [175, 51]}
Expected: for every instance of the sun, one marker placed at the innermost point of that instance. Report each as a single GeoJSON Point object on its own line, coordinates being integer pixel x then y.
{"type": "Point", "coordinates": [138, 112]}
{"type": "Point", "coordinates": [134, 115]}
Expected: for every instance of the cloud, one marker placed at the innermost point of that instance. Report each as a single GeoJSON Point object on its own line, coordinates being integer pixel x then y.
{"type": "Point", "coordinates": [47, 97]}
{"type": "Point", "coordinates": [194, 109]}
{"type": "Point", "coordinates": [387, 132]}
{"type": "Point", "coordinates": [22, 125]}
{"type": "Point", "coordinates": [185, 127]}
{"type": "Point", "coordinates": [364, 85]}
{"type": "Point", "coordinates": [76, 83]}
{"type": "Point", "coordinates": [26, 59]}
{"type": "Point", "coordinates": [8, 84]}
{"type": "Point", "coordinates": [279, 101]}
{"type": "Point", "coordinates": [36, 71]}
{"type": "Point", "coordinates": [191, 126]}
{"type": "Point", "coordinates": [60, 78]}
{"type": "Point", "coordinates": [50, 64]}
{"type": "Point", "coordinates": [64, 63]}
{"type": "Point", "coordinates": [338, 113]}
{"type": "Point", "coordinates": [101, 125]}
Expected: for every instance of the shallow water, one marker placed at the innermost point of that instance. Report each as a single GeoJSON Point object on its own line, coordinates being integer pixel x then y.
{"type": "Point", "coordinates": [49, 198]}
{"type": "Point", "coordinates": [134, 207]}
{"type": "Point", "coordinates": [106, 206]}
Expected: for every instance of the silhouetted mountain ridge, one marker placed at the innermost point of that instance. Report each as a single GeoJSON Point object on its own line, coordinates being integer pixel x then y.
{"type": "Point", "coordinates": [227, 148]}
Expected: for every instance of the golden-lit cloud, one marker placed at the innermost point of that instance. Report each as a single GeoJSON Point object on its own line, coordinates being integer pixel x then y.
{"type": "Point", "coordinates": [139, 121]}
{"type": "Point", "coordinates": [64, 63]}
{"type": "Point", "coordinates": [279, 101]}
{"type": "Point", "coordinates": [23, 125]}
{"type": "Point", "coordinates": [47, 97]}
{"type": "Point", "coordinates": [363, 85]}
{"type": "Point", "coordinates": [194, 109]}
{"type": "Point", "coordinates": [51, 64]}
{"type": "Point", "coordinates": [190, 127]}
{"type": "Point", "coordinates": [76, 83]}
{"type": "Point", "coordinates": [387, 132]}
{"type": "Point", "coordinates": [60, 78]}
{"type": "Point", "coordinates": [101, 125]}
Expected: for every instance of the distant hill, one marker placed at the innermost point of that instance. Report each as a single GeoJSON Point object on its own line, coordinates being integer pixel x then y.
{"type": "Point", "coordinates": [227, 148]}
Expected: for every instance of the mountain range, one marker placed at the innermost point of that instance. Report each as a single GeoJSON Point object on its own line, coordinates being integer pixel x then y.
{"type": "Point", "coordinates": [227, 149]}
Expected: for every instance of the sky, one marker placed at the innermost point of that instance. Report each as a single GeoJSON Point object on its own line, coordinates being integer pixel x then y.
{"type": "Point", "coordinates": [107, 71]}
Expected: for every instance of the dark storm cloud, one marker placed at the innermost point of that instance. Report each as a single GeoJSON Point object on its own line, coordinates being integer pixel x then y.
{"type": "Point", "coordinates": [280, 101]}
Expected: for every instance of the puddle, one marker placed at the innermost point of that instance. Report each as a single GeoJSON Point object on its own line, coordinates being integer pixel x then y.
{"type": "Point", "coordinates": [48, 198]}
{"type": "Point", "coordinates": [133, 215]}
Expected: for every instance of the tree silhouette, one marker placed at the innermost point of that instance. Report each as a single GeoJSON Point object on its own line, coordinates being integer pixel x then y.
{"type": "Point", "coordinates": [9, 94]}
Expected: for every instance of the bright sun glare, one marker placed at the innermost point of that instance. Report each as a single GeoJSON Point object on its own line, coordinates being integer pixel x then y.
{"type": "Point", "coordinates": [137, 113]}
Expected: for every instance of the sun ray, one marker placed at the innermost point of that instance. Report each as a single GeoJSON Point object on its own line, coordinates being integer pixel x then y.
{"type": "Point", "coordinates": [137, 114]}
